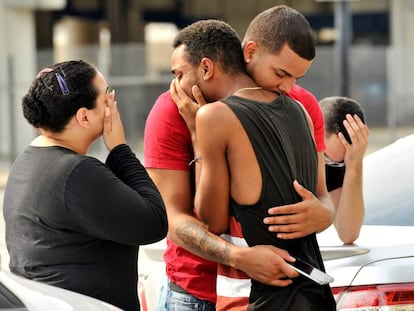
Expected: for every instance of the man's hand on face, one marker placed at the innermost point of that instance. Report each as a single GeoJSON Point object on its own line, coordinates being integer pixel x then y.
{"type": "Point", "coordinates": [187, 105]}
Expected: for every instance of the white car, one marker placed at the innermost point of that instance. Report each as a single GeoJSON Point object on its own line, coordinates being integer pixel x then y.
{"type": "Point", "coordinates": [375, 273]}
{"type": "Point", "coordinates": [20, 294]}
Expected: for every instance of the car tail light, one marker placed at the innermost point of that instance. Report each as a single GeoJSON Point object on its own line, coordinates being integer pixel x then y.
{"type": "Point", "coordinates": [395, 297]}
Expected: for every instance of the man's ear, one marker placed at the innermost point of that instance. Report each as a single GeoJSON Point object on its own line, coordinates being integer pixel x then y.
{"type": "Point", "coordinates": [249, 50]}
{"type": "Point", "coordinates": [82, 117]}
{"type": "Point", "coordinates": [207, 68]}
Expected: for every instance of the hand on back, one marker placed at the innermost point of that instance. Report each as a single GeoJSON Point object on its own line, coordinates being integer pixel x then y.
{"type": "Point", "coordinates": [300, 219]}
{"type": "Point", "coordinates": [267, 264]}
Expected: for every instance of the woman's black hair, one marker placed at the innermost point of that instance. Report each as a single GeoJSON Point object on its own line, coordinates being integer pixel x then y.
{"type": "Point", "coordinates": [57, 93]}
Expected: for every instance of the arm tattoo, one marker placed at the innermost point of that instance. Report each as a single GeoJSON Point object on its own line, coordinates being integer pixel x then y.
{"type": "Point", "coordinates": [198, 240]}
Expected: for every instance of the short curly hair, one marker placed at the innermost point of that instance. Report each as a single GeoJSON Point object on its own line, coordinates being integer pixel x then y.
{"type": "Point", "coordinates": [58, 92]}
{"type": "Point", "coordinates": [214, 39]}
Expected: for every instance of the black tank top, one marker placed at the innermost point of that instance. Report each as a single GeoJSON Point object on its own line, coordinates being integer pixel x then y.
{"type": "Point", "coordinates": [285, 151]}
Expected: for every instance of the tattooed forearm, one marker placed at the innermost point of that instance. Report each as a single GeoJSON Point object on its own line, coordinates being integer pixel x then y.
{"type": "Point", "coordinates": [195, 237]}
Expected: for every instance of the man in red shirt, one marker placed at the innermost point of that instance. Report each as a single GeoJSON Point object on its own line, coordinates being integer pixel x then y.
{"type": "Point", "coordinates": [168, 151]}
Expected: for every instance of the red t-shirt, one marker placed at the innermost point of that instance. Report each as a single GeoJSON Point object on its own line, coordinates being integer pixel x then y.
{"type": "Point", "coordinates": [167, 145]}
{"type": "Point", "coordinates": [310, 103]}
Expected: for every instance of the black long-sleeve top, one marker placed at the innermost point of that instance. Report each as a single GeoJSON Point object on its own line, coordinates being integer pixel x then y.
{"type": "Point", "coordinates": [77, 223]}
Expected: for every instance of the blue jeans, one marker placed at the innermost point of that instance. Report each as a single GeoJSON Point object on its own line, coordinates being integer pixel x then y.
{"type": "Point", "coordinates": [162, 298]}
{"type": "Point", "coordinates": [186, 302]}
{"type": "Point", "coordinates": [170, 300]}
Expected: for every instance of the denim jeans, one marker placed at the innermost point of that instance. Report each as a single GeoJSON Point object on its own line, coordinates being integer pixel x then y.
{"type": "Point", "coordinates": [186, 302]}
{"type": "Point", "coordinates": [170, 300]}
{"type": "Point", "coordinates": [162, 298]}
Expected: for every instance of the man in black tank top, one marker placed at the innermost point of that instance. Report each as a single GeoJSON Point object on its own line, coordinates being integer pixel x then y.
{"type": "Point", "coordinates": [250, 149]}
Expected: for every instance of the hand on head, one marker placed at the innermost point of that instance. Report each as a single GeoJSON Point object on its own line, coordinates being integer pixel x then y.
{"type": "Point", "coordinates": [358, 133]}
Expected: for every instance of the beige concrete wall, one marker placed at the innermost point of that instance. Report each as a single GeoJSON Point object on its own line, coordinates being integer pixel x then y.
{"type": "Point", "coordinates": [370, 5]}
{"type": "Point", "coordinates": [401, 61]}
{"type": "Point", "coordinates": [17, 58]}
{"type": "Point", "coordinates": [69, 36]}
{"type": "Point", "coordinates": [18, 68]}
